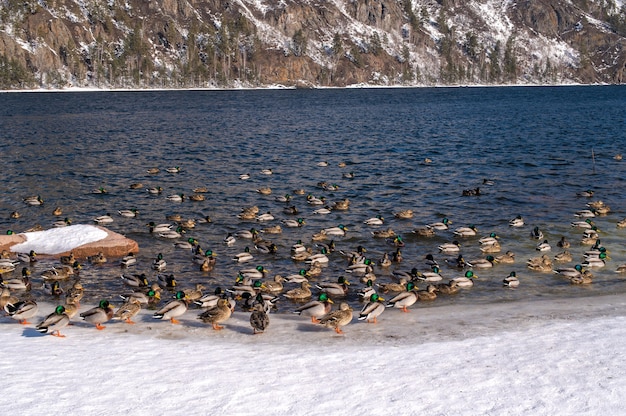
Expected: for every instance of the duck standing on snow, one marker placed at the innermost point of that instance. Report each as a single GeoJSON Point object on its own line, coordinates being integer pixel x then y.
{"type": "Point", "coordinates": [316, 308]}
{"type": "Point", "coordinates": [99, 315]}
{"type": "Point", "coordinates": [259, 318]}
{"type": "Point", "coordinates": [174, 308]}
{"type": "Point", "coordinates": [54, 322]}
{"type": "Point", "coordinates": [404, 299]}
{"type": "Point", "coordinates": [337, 319]}
{"type": "Point", "coordinates": [22, 311]}
{"type": "Point", "coordinates": [373, 309]}
{"type": "Point", "coordinates": [220, 313]}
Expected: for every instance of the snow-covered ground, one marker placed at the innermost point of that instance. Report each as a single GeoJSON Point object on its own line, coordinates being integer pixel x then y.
{"type": "Point", "coordinates": [540, 358]}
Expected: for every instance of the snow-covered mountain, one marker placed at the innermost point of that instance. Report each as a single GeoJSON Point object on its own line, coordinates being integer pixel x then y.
{"type": "Point", "coordinates": [309, 43]}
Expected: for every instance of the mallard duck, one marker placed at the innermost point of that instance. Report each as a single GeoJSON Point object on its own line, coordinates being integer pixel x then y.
{"type": "Point", "coordinates": [585, 213]}
{"type": "Point", "coordinates": [167, 281]}
{"type": "Point", "coordinates": [220, 313]}
{"type": "Point", "coordinates": [293, 223]}
{"type": "Point", "coordinates": [62, 223]}
{"type": "Point", "coordinates": [431, 276]}
{"type": "Point", "coordinates": [135, 280]}
{"type": "Point", "coordinates": [265, 217]}
{"type": "Point", "coordinates": [210, 300]}
{"type": "Point", "coordinates": [201, 257]}
{"type": "Point", "coordinates": [146, 297]}
{"type": "Point", "coordinates": [338, 318]}
{"type": "Point", "coordinates": [621, 224]}
{"type": "Point", "coordinates": [466, 231]}
{"type": "Point", "coordinates": [244, 176]}
{"type": "Point", "coordinates": [159, 263]}
{"type": "Point", "coordinates": [316, 308]}
{"type": "Point", "coordinates": [492, 238]}
{"type": "Point", "coordinates": [338, 231]}
{"type": "Point", "coordinates": [103, 219]}
{"type": "Point", "coordinates": [587, 223]}
{"type": "Point", "coordinates": [385, 261]}
{"type": "Point", "coordinates": [372, 309]}
{"type": "Point", "coordinates": [175, 169]}
{"type": "Point", "coordinates": [128, 260]}
{"type": "Point", "coordinates": [404, 214]}
{"type": "Point", "coordinates": [450, 248]}
{"type": "Point", "coordinates": [300, 293]}
{"type": "Point", "coordinates": [18, 283]}
{"type": "Point", "coordinates": [177, 233]}
{"type": "Point", "coordinates": [283, 198]}
{"type": "Point", "coordinates": [194, 294]}
{"type": "Point", "coordinates": [323, 211]}
{"type": "Point", "coordinates": [155, 190]}
{"type": "Point", "coordinates": [128, 310]}
{"type": "Point", "coordinates": [320, 258]}
{"type": "Point", "coordinates": [563, 257]}
{"type": "Point", "coordinates": [563, 243]}
{"type": "Point", "coordinates": [153, 171]}
{"type": "Point", "coordinates": [230, 240]}
{"type": "Point", "coordinates": [577, 270]}
{"type": "Point", "coordinates": [54, 322]}
{"type": "Point", "coordinates": [424, 231]}
{"type": "Point", "coordinates": [392, 286]}
{"type": "Point", "coordinates": [586, 194]}
{"type": "Point", "coordinates": [196, 197]}
{"type": "Point", "coordinates": [259, 319]}
{"type": "Point", "coordinates": [136, 185]}
{"type": "Point", "coordinates": [250, 234]}
{"type": "Point", "coordinates": [348, 175]}
{"type": "Point", "coordinates": [536, 233]}
{"type": "Point", "coordinates": [15, 215]}
{"type": "Point", "coordinates": [541, 264]}
{"type": "Point", "coordinates": [99, 315]}
{"type": "Point", "coordinates": [244, 256]}
{"type": "Point", "coordinates": [494, 247]}
{"type": "Point", "coordinates": [98, 258]}
{"type": "Point", "coordinates": [467, 280]}
{"type": "Point", "coordinates": [440, 226]}
{"type": "Point", "coordinates": [128, 213]}
{"type": "Point", "coordinates": [543, 246]}
{"type": "Point", "coordinates": [506, 258]}
{"type": "Point", "coordinates": [427, 295]}
{"type": "Point", "coordinates": [264, 190]}
{"type": "Point", "coordinates": [621, 268]}
{"type": "Point", "coordinates": [30, 257]}
{"type": "Point", "coordinates": [21, 311]}
{"type": "Point", "coordinates": [159, 228]}
{"type": "Point", "coordinates": [377, 220]}
{"type": "Point", "coordinates": [275, 285]}
{"type": "Point", "coordinates": [258, 272]}
{"type": "Point", "coordinates": [267, 171]}
{"type": "Point", "coordinates": [176, 197]}
{"type": "Point", "coordinates": [99, 191]}
{"type": "Point", "coordinates": [6, 298]}
{"type": "Point", "coordinates": [174, 308]}
{"type": "Point", "coordinates": [52, 288]}
{"type": "Point", "coordinates": [342, 205]}
{"type": "Point", "coordinates": [596, 262]}
{"type": "Point", "coordinates": [302, 276]}
{"type": "Point", "coordinates": [291, 210]}
{"type": "Point", "coordinates": [75, 293]}
{"type": "Point", "coordinates": [404, 299]}
{"type": "Point", "coordinates": [201, 190]}
{"type": "Point", "coordinates": [511, 280]}
{"type": "Point", "coordinates": [33, 200]}
{"type": "Point", "coordinates": [517, 222]}
{"type": "Point", "coordinates": [449, 288]}
{"type": "Point", "coordinates": [340, 288]}
{"type": "Point", "coordinates": [60, 273]}
{"type": "Point", "coordinates": [585, 278]}
{"type": "Point", "coordinates": [188, 223]}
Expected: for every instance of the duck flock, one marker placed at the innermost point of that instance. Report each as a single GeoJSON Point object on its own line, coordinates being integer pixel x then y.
{"type": "Point", "coordinates": [288, 258]}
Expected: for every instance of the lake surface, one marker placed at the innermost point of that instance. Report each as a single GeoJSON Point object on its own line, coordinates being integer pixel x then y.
{"type": "Point", "coordinates": [539, 145]}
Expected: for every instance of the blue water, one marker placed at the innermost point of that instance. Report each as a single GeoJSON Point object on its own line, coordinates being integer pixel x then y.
{"type": "Point", "coordinates": [540, 146]}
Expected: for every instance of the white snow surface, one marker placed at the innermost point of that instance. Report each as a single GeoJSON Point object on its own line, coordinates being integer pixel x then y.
{"type": "Point", "coordinates": [59, 240]}
{"type": "Point", "coordinates": [541, 358]}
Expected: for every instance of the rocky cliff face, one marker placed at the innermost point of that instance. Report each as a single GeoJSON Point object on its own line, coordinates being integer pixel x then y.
{"type": "Point", "coordinates": [231, 43]}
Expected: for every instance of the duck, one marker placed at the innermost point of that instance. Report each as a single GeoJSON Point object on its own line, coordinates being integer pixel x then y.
{"type": "Point", "coordinates": [320, 257]}
{"type": "Point", "coordinates": [584, 279]}
{"type": "Point", "coordinates": [404, 214]}
{"type": "Point", "coordinates": [543, 246]}
{"type": "Point", "coordinates": [18, 283]}
{"type": "Point", "coordinates": [266, 171]}
{"type": "Point", "coordinates": [74, 294]}
{"type": "Point", "coordinates": [563, 257]}
{"type": "Point", "coordinates": [128, 260]}
{"type": "Point", "coordinates": [176, 197]}
{"type": "Point", "coordinates": [174, 308]}
{"type": "Point", "coordinates": [177, 233]}
{"type": "Point", "coordinates": [259, 319]}
{"type": "Point", "coordinates": [135, 280]}
{"type": "Point", "coordinates": [338, 231]}
{"type": "Point", "coordinates": [266, 247]}
{"type": "Point", "coordinates": [265, 217]}
{"type": "Point", "coordinates": [275, 285]}
{"type": "Point", "coordinates": [155, 190]}
{"type": "Point", "coordinates": [621, 223]}
{"type": "Point", "coordinates": [621, 268]}
{"type": "Point", "coordinates": [194, 294]}
{"type": "Point", "coordinates": [392, 286]}
{"type": "Point", "coordinates": [153, 171]}
{"type": "Point", "coordinates": [407, 275]}
{"type": "Point", "coordinates": [348, 175]}
{"type": "Point", "coordinates": [54, 322]}
{"type": "Point", "coordinates": [159, 228]}
{"type": "Point", "coordinates": [128, 213]}
{"type": "Point", "coordinates": [149, 297]}
{"type": "Point", "coordinates": [15, 215]}
{"type": "Point", "coordinates": [6, 298]}
{"type": "Point", "coordinates": [424, 231]}
{"type": "Point", "coordinates": [315, 201]}
{"type": "Point", "coordinates": [586, 194]}
{"type": "Point", "coordinates": [202, 257]}
{"type": "Point", "coordinates": [33, 200]}
{"type": "Point", "coordinates": [450, 248]}
{"type": "Point", "coordinates": [563, 243]}
{"type": "Point", "coordinates": [449, 288]}
{"type": "Point", "coordinates": [290, 223]}
{"type": "Point", "coordinates": [30, 257]}
{"type": "Point", "coordinates": [62, 223]}
{"type": "Point", "coordinates": [291, 210]}
{"type": "Point", "coordinates": [377, 220]}
{"type": "Point", "coordinates": [338, 318]}
{"type": "Point", "coordinates": [517, 222]}
{"type": "Point", "coordinates": [135, 185]}
{"type": "Point", "coordinates": [60, 273]}
{"type": "Point", "coordinates": [244, 256]}
{"type": "Point", "coordinates": [128, 310]}
{"type": "Point", "coordinates": [342, 205]}
{"type": "Point", "coordinates": [159, 263]}
{"type": "Point", "coordinates": [316, 308]}
{"type": "Point", "coordinates": [385, 261]}
{"type": "Point", "coordinates": [52, 289]}
{"type": "Point", "coordinates": [340, 288]}
{"type": "Point", "coordinates": [302, 276]}
{"type": "Point", "coordinates": [492, 238]}
{"type": "Point", "coordinates": [467, 280]}
{"type": "Point", "coordinates": [506, 258]}
{"type": "Point", "coordinates": [585, 213]}
{"type": "Point", "coordinates": [300, 293]}
{"type": "Point", "coordinates": [244, 176]}
{"type": "Point", "coordinates": [430, 293]}
{"type": "Point", "coordinates": [103, 219]}
{"type": "Point", "coordinates": [229, 240]}
{"type": "Point", "coordinates": [372, 309]}
{"type": "Point", "coordinates": [511, 280]}
{"type": "Point", "coordinates": [596, 262]}
{"type": "Point", "coordinates": [197, 197]}
{"type": "Point", "coordinates": [248, 234]}
{"type": "Point", "coordinates": [466, 231]}
{"type": "Point", "coordinates": [587, 223]}
{"type": "Point", "coordinates": [175, 169]}
{"type": "Point", "coordinates": [440, 226]}
{"type": "Point", "coordinates": [57, 211]}
{"type": "Point", "coordinates": [494, 247]}
{"type": "Point", "coordinates": [99, 315]}
{"type": "Point", "coordinates": [167, 281]}
{"type": "Point", "coordinates": [404, 299]}
{"type": "Point", "coordinates": [283, 198]}
{"type": "Point", "coordinates": [98, 258]}
{"type": "Point", "coordinates": [430, 276]}
{"type": "Point", "coordinates": [323, 211]}
{"type": "Point", "coordinates": [218, 314]}
{"type": "Point", "coordinates": [258, 272]}
{"type": "Point", "coordinates": [577, 270]}
{"type": "Point", "coordinates": [541, 264]}
{"type": "Point", "coordinates": [265, 190]}
{"type": "Point", "coordinates": [536, 233]}
{"type": "Point", "coordinates": [21, 311]}
{"type": "Point", "coordinates": [388, 233]}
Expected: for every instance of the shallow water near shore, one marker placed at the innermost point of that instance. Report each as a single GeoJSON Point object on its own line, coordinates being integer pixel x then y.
{"type": "Point", "coordinates": [540, 146]}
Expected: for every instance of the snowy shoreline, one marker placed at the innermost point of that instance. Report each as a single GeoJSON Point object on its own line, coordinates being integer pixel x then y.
{"type": "Point", "coordinates": [543, 357]}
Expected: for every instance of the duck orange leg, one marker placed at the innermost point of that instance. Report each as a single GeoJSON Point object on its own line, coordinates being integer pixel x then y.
{"type": "Point", "coordinates": [217, 327]}
{"type": "Point", "coordinates": [57, 334]}
{"type": "Point", "coordinates": [24, 322]}
{"type": "Point", "coordinates": [174, 321]}
{"type": "Point", "coordinates": [338, 330]}
{"type": "Point", "coordinates": [404, 309]}
{"type": "Point", "coordinates": [315, 320]}
{"type": "Point", "coordinates": [128, 321]}
{"type": "Point", "coordinates": [100, 327]}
